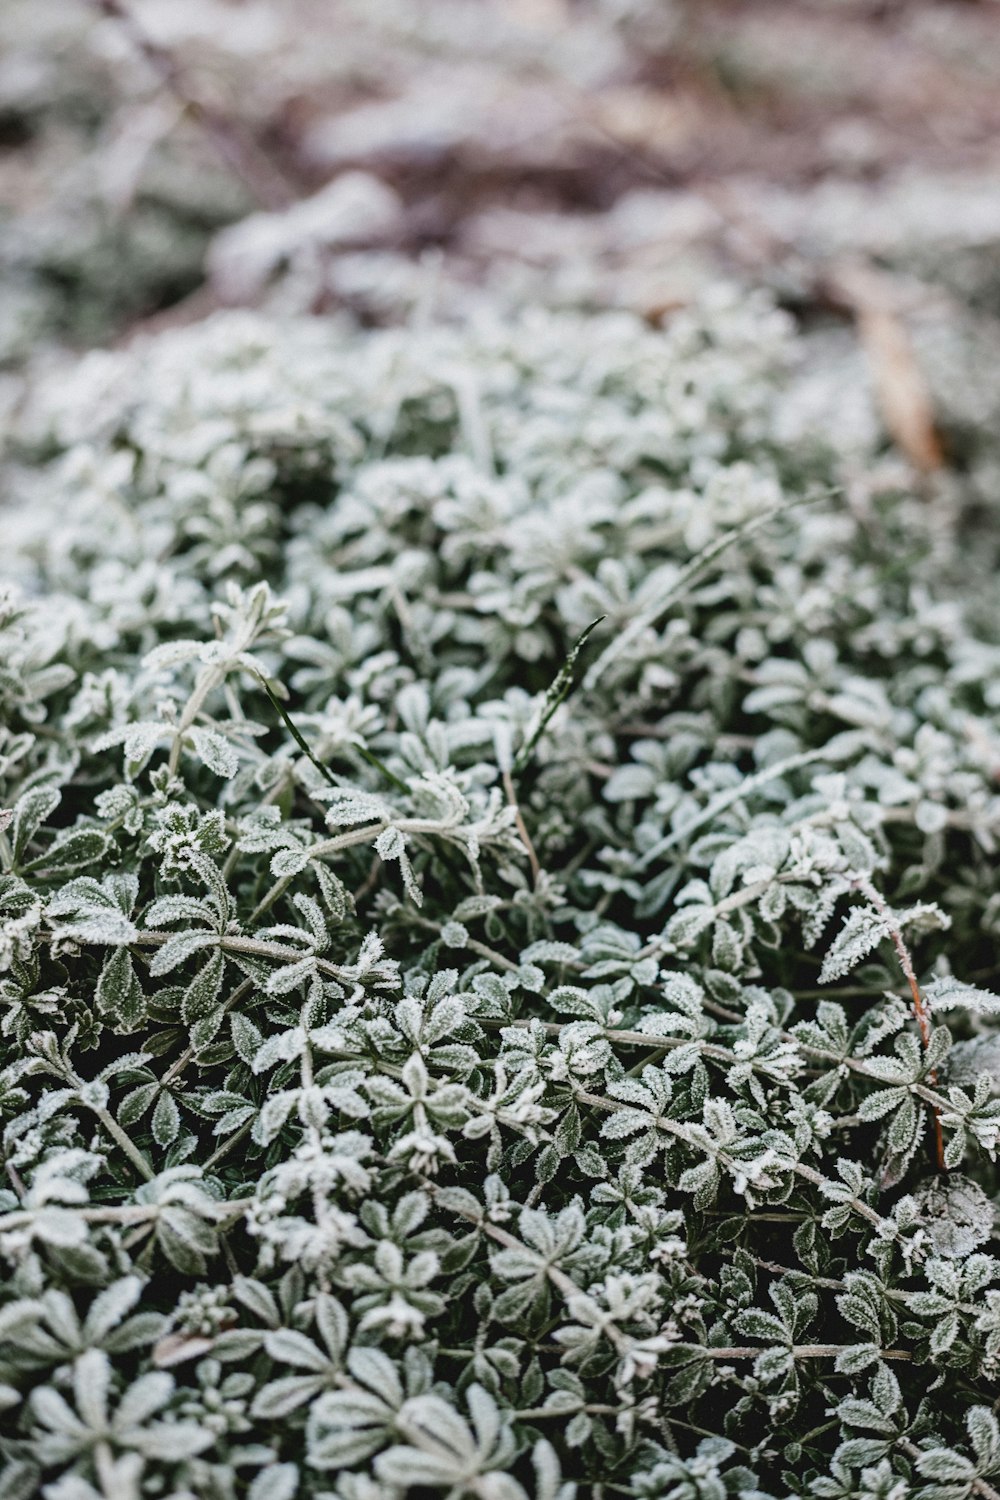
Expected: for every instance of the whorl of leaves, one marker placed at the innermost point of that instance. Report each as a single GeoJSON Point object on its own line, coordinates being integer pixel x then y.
{"type": "Point", "coordinates": [436, 1063]}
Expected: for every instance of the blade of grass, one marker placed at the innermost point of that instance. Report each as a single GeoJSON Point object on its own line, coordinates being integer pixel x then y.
{"type": "Point", "coordinates": [362, 750]}
{"type": "Point", "coordinates": [703, 559]}
{"type": "Point", "coordinates": [559, 690]}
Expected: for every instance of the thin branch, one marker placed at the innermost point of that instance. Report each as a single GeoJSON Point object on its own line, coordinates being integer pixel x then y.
{"type": "Point", "coordinates": [920, 1010]}
{"type": "Point", "coordinates": [232, 141]}
{"type": "Point", "coordinates": [124, 1214]}
{"type": "Point", "coordinates": [798, 1351]}
{"type": "Point", "coordinates": [508, 786]}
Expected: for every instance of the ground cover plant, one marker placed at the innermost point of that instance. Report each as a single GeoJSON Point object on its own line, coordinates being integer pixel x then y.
{"type": "Point", "coordinates": [498, 926]}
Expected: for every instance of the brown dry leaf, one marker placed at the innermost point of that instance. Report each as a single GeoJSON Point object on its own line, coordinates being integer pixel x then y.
{"type": "Point", "coordinates": [902, 392]}
{"type": "Point", "coordinates": [641, 117]}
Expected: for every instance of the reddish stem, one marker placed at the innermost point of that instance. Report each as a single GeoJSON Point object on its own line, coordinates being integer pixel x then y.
{"type": "Point", "coordinates": [919, 1005]}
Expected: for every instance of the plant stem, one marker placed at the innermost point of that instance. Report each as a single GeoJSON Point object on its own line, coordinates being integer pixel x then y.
{"type": "Point", "coordinates": [920, 1010]}
{"type": "Point", "coordinates": [798, 1351]}
{"type": "Point", "coordinates": [508, 786]}
{"type": "Point", "coordinates": [236, 147]}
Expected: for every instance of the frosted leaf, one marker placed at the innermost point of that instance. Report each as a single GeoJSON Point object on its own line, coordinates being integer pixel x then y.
{"type": "Point", "coordinates": [391, 845]}
{"type": "Point", "coordinates": [215, 751]}
{"type": "Point", "coordinates": [139, 739]}
{"type": "Point", "coordinates": [954, 994]}
{"type": "Point", "coordinates": [30, 812]}
{"type": "Point", "coordinates": [171, 653]}
{"type": "Point", "coordinates": [957, 1215]}
{"type": "Point", "coordinates": [96, 911]}
{"type": "Point", "coordinates": [975, 1058]}
{"type": "Point", "coordinates": [863, 929]}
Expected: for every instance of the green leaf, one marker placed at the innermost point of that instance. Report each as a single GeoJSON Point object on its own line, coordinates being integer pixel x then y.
{"type": "Point", "coordinates": [166, 1120]}
{"type": "Point", "coordinates": [74, 850]}
{"type": "Point", "coordinates": [30, 812]}
{"type": "Point", "coordinates": [202, 993]}
{"type": "Point", "coordinates": [119, 998]}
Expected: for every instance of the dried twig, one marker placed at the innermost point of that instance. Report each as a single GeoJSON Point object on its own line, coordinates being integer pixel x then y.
{"type": "Point", "coordinates": [233, 143]}
{"type": "Point", "coordinates": [522, 827]}
{"type": "Point", "coordinates": [871, 299]}
{"type": "Point", "coordinates": [919, 1004]}
{"type": "Point", "coordinates": [900, 387]}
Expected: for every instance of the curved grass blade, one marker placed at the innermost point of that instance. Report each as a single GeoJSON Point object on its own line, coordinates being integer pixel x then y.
{"type": "Point", "coordinates": [297, 736]}
{"type": "Point", "coordinates": [559, 690]}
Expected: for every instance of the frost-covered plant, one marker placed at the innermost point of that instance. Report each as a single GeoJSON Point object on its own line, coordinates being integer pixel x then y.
{"type": "Point", "coordinates": [452, 1046]}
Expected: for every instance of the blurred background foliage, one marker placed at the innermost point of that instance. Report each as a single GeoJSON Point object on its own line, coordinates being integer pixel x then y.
{"type": "Point", "coordinates": [159, 158]}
